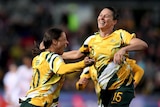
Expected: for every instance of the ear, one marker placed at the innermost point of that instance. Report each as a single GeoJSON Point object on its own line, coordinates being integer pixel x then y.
{"type": "Point", "coordinates": [54, 42]}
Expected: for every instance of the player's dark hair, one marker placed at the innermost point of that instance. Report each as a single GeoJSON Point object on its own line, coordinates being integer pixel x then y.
{"type": "Point", "coordinates": [49, 35]}
{"type": "Point", "coordinates": [115, 14]}
{"type": "Point", "coordinates": [36, 51]}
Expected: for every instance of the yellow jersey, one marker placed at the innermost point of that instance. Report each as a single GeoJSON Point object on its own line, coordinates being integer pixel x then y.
{"type": "Point", "coordinates": [46, 82]}
{"type": "Point", "coordinates": [109, 75]}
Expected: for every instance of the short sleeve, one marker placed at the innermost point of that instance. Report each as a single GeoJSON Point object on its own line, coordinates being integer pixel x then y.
{"type": "Point", "coordinates": [85, 47]}
{"type": "Point", "coordinates": [58, 61]}
{"type": "Point", "coordinates": [126, 36]}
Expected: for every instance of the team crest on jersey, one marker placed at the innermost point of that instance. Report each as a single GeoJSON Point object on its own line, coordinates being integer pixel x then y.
{"type": "Point", "coordinates": [113, 40]}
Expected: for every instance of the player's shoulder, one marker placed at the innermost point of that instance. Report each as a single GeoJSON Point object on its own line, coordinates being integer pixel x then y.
{"type": "Point", "coordinates": [91, 37]}
{"type": "Point", "coordinates": [51, 56]}
{"type": "Point", "coordinates": [48, 54]}
{"type": "Point", "coordinates": [45, 56]}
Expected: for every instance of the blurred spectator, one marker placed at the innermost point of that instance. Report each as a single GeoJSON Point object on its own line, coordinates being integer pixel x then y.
{"type": "Point", "coordinates": [24, 76]}
{"type": "Point", "coordinates": [10, 81]}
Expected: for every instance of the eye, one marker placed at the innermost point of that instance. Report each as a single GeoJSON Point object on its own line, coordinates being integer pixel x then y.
{"type": "Point", "coordinates": [100, 15]}
{"type": "Point", "coordinates": [106, 16]}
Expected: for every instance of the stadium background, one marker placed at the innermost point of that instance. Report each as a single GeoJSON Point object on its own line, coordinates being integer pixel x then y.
{"type": "Point", "coordinates": [23, 21]}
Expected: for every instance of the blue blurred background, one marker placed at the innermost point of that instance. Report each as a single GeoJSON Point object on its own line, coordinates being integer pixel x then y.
{"type": "Point", "coordinates": [24, 21]}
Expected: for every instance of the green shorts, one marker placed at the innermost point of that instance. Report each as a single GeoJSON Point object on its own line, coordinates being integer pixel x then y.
{"type": "Point", "coordinates": [117, 98]}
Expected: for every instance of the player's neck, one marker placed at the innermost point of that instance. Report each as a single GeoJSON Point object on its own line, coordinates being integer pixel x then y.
{"type": "Point", "coordinates": [105, 33]}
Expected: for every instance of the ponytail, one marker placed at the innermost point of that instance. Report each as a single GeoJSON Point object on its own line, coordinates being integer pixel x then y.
{"type": "Point", "coordinates": [36, 50]}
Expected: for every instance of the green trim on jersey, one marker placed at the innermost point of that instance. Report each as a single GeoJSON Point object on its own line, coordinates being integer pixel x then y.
{"type": "Point", "coordinates": [46, 84]}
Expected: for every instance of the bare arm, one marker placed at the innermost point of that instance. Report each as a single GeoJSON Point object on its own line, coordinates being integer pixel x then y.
{"type": "Point", "coordinates": [71, 55]}
{"type": "Point", "coordinates": [135, 45]}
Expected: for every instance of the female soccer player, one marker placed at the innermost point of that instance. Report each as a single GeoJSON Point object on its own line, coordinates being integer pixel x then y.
{"type": "Point", "coordinates": [108, 47]}
{"type": "Point", "coordinates": [49, 71]}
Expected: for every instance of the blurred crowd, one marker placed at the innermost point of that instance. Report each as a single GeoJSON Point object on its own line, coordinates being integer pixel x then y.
{"type": "Point", "coordinates": [24, 21]}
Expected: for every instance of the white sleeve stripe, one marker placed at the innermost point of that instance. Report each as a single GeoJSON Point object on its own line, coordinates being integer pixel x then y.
{"type": "Point", "coordinates": [52, 61]}
{"type": "Point", "coordinates": [88, 39]}
{"type": "Point", "coordinates": [49, 56]}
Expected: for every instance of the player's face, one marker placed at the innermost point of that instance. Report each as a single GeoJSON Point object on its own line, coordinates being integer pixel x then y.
{"type": "Point", "coordinates": [105, 19]}
{"type": "Point", "coordinates": [62, 43]}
